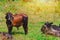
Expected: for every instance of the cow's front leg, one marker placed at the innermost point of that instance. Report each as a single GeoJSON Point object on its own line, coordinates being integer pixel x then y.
{"type": "Point", "coordinates": [10, 29]}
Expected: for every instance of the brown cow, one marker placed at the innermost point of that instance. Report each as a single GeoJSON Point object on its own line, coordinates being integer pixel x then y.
{"type": "Point", "coordinates": [16, 20]}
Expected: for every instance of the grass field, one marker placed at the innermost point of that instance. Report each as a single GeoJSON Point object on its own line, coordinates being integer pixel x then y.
{"type": "Point", "coordinates": [37, 11]}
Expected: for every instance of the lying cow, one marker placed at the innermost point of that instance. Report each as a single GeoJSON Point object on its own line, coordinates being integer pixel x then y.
{"type": "Point", "coordinates": [5, 36]}
{"type": "Point", "coordinates": [49, 28]}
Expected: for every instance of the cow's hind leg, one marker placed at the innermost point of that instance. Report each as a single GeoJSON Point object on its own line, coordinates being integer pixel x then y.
{"type": "Point", "coordinates": [25, 24]}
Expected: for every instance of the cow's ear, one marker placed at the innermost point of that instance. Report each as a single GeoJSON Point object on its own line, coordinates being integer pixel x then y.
{"type": "Point", "coordinates": [6, 17]}
{"type": "Point", "coordinates": [59, 25]}
{"type": "Point", "coordinates": [51, 23]}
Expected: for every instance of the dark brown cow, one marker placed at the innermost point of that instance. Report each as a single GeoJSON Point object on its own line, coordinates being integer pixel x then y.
{"type": "Point", "coordinates": [16, 20]}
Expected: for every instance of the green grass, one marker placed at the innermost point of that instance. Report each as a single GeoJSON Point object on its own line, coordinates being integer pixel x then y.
{"type": "Point", "coordinates": [34, 32]}
{"type": "Point", "coordinates": [37, 17]}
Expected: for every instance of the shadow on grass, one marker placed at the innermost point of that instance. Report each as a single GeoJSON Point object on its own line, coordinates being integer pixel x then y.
{"type": "Point", "coordinates": [13, 33]}
{"type": "Point", "coordinates": [17, 33]}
